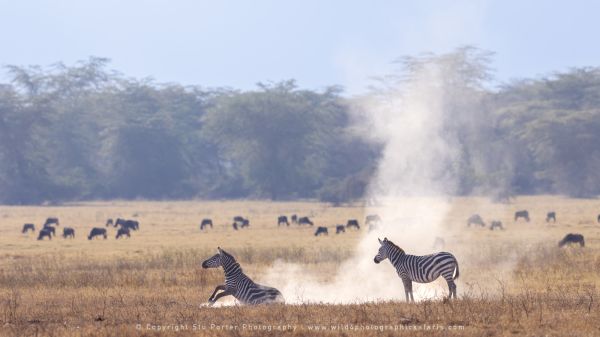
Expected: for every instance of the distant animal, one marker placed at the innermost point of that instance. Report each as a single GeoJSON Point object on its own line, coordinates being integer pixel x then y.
{"type": "Point", "coordinates": [235, 225]}
{"type": "Point", "coordinates": [340, 229]}
{"type": "Point", "coordinates": [238, 219]}
{"type": "Point", "coordinates": [294, 218]}
{"type": "Point", "coordinates": [551, 216]}
{"type": "Point", "coordinates": [475, 219]}
{"type": "Point", "coordinates": [123, 231]}
{"type": "Point", "coordinates": [496, 224]}
{"type": "Point", "coordinates": [51, 229]}
{"type": "Point", "coordinates": [598, 218]}
{"type": "Point", "coordinates": [282, 220]}
{"type": "Point", "coordinates": [109, 222]}
{"type": "Point", "coordinates": [131, 224]}
{"type": "Point", "coordinates": [352, 223]}
{"type": "Point", "coordinates": [237, 284]}
{"type": "Point", "coordinates": [572, 238]}
{"type": "Point", "coordinates": [206, 223]}
{"type": "Point", "coordinates": [522, 214]}
{"type": "Point", "coordinates": [439, 243]}
{"type": "Point", "coordinates": [45, 233]}
{"type": "Point", "coordinates": [321, 230]}
{"type": "Point", "coordinates": [372, 219]}
{"type": "Point", "coordinates": [51, 221]}
{"type": "Point", "coordinates": [119, 222]}
{"type": "Point", "coordinates": [305, 221]}
{"type": "Point", "coordinates": [97, 231]}
{"type": "Point", "coordinates": [245, 223]}
{"type": "Point", "coordinates": [422, 269]}
{"type": "Point", "coordinates": [68, 232]}
{"type": "Point", "coordinates": [28, 227]}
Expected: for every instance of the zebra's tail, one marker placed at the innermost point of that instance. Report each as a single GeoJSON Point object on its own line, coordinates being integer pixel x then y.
{"type": "Point", "coordinates": [457, 273]}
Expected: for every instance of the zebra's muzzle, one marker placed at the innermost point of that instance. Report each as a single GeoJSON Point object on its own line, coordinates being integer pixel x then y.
{"type": "Point", "coordinates": [376, 261]}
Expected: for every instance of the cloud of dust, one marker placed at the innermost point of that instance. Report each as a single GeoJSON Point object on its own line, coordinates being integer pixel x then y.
{"type": "Point", "coordinates": [408, 191]}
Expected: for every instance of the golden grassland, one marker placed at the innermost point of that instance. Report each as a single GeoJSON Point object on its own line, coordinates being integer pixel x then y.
{"type": "Point", "coordinates": [512, 282]}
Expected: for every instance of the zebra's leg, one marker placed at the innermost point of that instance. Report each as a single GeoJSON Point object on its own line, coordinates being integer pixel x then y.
{"type": "Point", "coordinates": [219, 287]}
{"type": "Point", "coordinates": [219, 295]}
{"type": "Point", "coordinates": [408, 289]}
{"type": "Point", "coordinates": [451, 288]}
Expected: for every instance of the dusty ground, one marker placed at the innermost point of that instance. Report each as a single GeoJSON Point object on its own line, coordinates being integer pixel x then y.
{"type": "Point", "coordinates": [513, 282]}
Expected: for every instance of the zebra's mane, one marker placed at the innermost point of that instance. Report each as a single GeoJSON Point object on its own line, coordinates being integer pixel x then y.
{"type": "Point", "coordinates": [395, 246]}
{"type": "Point", "coordinates": [232, 259]}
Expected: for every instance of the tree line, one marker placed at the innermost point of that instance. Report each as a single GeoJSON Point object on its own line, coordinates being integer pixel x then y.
{"type": "Point", "coordinates": [83, 132]}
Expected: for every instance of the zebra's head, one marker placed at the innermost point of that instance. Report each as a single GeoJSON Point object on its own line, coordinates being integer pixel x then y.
{"type": "Point", "coordinates": [384, 250]}
{"type": "Point", "coordinates": [222, 258]}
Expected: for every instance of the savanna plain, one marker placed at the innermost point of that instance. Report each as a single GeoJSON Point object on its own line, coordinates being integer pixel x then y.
{"type": "Point", "coordinates": [515, 281]}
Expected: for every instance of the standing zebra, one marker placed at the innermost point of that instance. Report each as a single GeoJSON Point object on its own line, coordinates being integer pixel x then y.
{"type": "Point", "coordinates": [422, 269]}
{"type": "Point", "coordinates": [238, 284]}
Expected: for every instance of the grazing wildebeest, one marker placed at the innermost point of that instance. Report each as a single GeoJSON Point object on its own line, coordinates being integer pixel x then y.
{"type": "Point", "coordinates": [496, 224]}
{"type": "Point", "coordinates": [45, 233]}
{"type": "Point", "coordinates": [572, 238]}
{"type": "Point", "coordinates": [51, 221]}
{"type": "Point", "coordinates": [28, 227]}
{"type": "Point", "coordinates": [294, 218]}
{"type": "Point", "coordinates": [235, 225]}
{"type": "Point", "coordinates": [245, 223]}
{"type": "Point", "coordinates": [321, 230]}
{"type": "Point", "coordinates": [282, 220]}
{"type": "Point", "coordinates": [372, 219]}
{"type": "Point", "coordinates": [305, 221]}
{"type": "Point", "coordinates": [352, 223]}
{"type": "Point", "coordinates": [131, 224]}
{"type": "Point", "coordinates": [522, 214]}
{"type": "Point", "coordinates": [206, 222]}
{"type": "Point", "coordinates": [475, 219]}
{"type": "Point", "coordinates": [68, 232]}
{"type": "Point", "coordinates": [340, 229]}
{"type": "Point", "coordinates": [123, 231]}
{"type": "Point", "coordinates": [238, 219]}
{"type": "Point", "coordinates": [438, 243]}
{"type": "Point", "coordinates": [109, 222]}
{"type": "Point", "coordinates": [97, 231]}
{"type": "Point", "coordinates": [51, 229]}
{"type": "Point", "coordinates": [238, 284]}
{"type": "Point", "coordinates": [551, 216]}
{"type": "Point", "coordinates": [119, 222]}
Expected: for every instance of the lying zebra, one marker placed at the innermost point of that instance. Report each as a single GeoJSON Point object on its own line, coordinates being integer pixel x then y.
{"type": "Point", "coordinates": [238, 284]}
{"type": "Point", "coordinates": [422, 269]}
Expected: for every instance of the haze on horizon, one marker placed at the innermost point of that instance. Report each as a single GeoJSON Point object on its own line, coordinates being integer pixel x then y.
{"type": "Point", "coordinates": [237, 44]}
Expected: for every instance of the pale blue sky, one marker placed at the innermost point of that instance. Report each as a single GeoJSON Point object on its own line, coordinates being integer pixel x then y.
{"type": "Point", "coordinates": [239, 43]}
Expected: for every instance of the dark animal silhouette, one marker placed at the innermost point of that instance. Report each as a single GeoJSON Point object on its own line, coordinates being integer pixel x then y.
{"type": "Point", "coordinates": [551, 216]}
{"type": "Point", "coordinates": [598, 218]}
{"type": "Point", "coordinates": [109, 222]}
{"type": "Point", "coordinates": [205, 223]}
{"type": "Point", "coordinates": [119, 222]}
{"type": "Point", "coordinates": [294, 218]}
{"type": "Point", "coordinates": [352, 223]}
{"type": "Point", "coordinates": [321, 230]}
{"type": "Point", "coordinates": [28, 227]}
{"type": "Point", "coordinates": [45, 233]}
{"type": "Point", "coordinates": [282, 220]}
{"type": "Point", "coordinates": [522, 214]}
{"type": "Point", "coordinates": [68, 232]}
{"type": "Point", "coordinates": [572, 238]}
{"type": "Point", "coordinates": [235, 225]}
{"type": "Point", "coordinates": [245, 223]}
{"type": "Point", "coordinates": [475, 219]}
{"type": "Point", "coordinates": [372, 219]}
{"type": "Point", "coordinates": [130, 224]}
{"type": "Point", "coordinates": [238, 219]}
{"type": "Point", "coordinates": [51, 229]}
{"type": "Point", "coordinates": [51, 221]}
{"type": "Point", "coordinates": [305, 221]}
{"type": "Point", "coordinates": [97, 231]}
{"type": "Point", "coordinates": [123, 231]}
{"type": "Point", "coordinates": [340, 229]}
{"type": "Point", "coordinates": [496, 224]}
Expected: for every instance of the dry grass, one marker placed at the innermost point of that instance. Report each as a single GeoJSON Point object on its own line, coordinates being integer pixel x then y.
{"type": "Point", "coordinates": [512, 282]}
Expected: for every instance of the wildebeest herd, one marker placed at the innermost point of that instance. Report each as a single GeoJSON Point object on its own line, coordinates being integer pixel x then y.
{"type": "Point", "coordinates": [571, 238]}
{"type": "Point", "coordinates": [239, 222]}
{"type": "Point", "coordinates": [48, 230]}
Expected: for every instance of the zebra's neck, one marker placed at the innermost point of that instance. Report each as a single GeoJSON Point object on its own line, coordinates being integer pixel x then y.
{"type": "Point", "coordinates": [232, 269]}
{"type": "Point", "coordinates": [395, 254]}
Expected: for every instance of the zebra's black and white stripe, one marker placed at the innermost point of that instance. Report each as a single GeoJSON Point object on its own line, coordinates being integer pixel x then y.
{"type": "Point", "coordinates": [422, 269]}
{"type": "Point", "coordinates": [237, 284]}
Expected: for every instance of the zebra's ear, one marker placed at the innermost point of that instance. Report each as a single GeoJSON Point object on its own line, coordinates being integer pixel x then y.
{"type": "Point", "coordinates": [220, 250]}
{"type": "Point", "coordinates": [385, 239]}
{"type": "Point", "coordinates": [380, 242]}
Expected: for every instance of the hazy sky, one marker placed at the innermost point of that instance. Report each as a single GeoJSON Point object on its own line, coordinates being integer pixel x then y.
{"type": "Point", "coordinates": [239, 43]}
